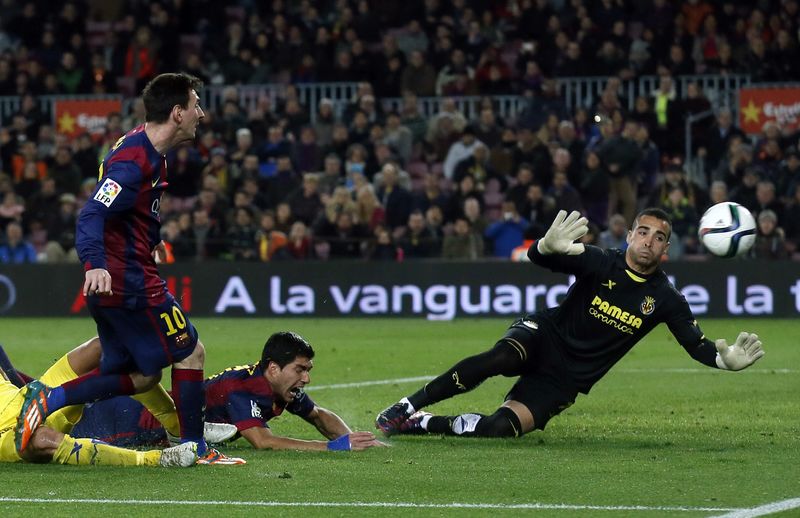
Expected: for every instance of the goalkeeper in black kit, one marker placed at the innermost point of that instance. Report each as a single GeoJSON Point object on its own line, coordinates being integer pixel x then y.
{"type": "Point", "coordinates": [617, 298]}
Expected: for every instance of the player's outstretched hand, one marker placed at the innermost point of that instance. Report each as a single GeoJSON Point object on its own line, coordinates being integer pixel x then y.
{"type": "Point", "coordinates": [363, 440]}
{"type": "Point", "coordinates": [742, 354]}
{"type": "Point", "coordinates": [98, 282]}
{"type": "Point", "coordinates": [560, 237]}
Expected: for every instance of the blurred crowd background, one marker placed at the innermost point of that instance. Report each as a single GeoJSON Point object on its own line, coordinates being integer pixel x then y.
{"type": "Point", "coordinates": [369, 179]}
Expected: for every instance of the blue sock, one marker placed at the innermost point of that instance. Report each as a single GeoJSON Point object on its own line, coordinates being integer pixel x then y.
{"type": "Point", "coordinates": [55, 399]}
{"type": "Point", "coordinates": [88, 388]}
{"type": "Point", "coordinates": [189, 395]}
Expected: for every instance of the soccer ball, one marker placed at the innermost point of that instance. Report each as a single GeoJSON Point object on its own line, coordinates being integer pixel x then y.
{"type": "Point", "coordinates": [727, 229]}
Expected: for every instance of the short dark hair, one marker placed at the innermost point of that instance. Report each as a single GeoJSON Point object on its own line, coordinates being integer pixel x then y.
{"type": "Point", "coordinates": [656, 213]}
{"type": "Point", "coordinates": [283, 347]}
{"type": "Point", "coordinates": [165, 91]}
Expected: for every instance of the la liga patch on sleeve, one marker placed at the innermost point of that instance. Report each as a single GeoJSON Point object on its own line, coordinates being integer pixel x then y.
{"type": "Point", "coordinates": [108, 192]}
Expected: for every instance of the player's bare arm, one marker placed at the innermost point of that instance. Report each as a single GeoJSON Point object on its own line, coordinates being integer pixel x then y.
{"type": "Point", "coordinates": [263, 439]}
{"type": "Point", "coordinates": [329, 424]}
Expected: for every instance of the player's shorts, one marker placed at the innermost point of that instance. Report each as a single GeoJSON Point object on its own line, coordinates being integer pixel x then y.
{"type": "Point", "coordinates": [121, 421]}
{"type": "Point", "coordinates": [144, 340]}
{"type": "Point", "coordinates": [544, 387]}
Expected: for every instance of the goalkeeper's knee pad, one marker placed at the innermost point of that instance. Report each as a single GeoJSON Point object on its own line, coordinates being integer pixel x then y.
{"type": "Point", "coordinates": [503, 423]}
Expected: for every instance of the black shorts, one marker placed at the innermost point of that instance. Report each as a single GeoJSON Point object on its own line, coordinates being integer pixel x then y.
{"type": "Point", "coordinates": [544, 386]}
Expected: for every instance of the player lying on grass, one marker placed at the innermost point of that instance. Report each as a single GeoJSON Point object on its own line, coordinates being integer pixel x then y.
{"type": "Point", "coordinates": [50, 445]}
{"type": "Point", "coordinates": [617, 298]}
{"type": "Point", "coordinates": [86, 358]}
{"type": "Point", "coordinates": [246, 396]}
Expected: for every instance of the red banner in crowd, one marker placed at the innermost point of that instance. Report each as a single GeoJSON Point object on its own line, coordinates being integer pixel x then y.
{"type": "Point", "coordinates": [758, 106]}
{"type": "Point", "coordinates": [76, 117]}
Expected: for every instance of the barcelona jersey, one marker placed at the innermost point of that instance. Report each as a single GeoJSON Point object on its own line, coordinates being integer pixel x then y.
{"type": "Point", "coordinates": [120, 225]}
{"type": "Point", "coordinates": [242, 396]}
{"type": "Point", "coordinates": [239, 395]}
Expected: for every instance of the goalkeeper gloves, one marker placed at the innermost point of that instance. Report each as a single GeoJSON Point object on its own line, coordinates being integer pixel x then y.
{"type": "Point", "coordinates": [340, 443]}
{"type": "Point", "coordinates": [743, 353]}
{"type": "Point", "coordinates": [560, 237]}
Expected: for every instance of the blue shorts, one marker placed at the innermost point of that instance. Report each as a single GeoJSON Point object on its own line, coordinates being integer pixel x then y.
{"type": "Point", "coordinates": [121, 421]}
{"type": "Point", "coordinates": [145, 340]}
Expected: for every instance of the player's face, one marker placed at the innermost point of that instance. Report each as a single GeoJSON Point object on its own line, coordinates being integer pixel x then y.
{"type": "Point", "coordinates": [647, 243]}
{"type": "Point", "coordinates": [191, 117]}
{"type": "Point", "coordinates": [289, 382]}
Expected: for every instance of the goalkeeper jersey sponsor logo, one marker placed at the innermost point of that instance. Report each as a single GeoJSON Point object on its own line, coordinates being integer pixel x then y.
{"type": "Point", "coordinates": [614, 316]}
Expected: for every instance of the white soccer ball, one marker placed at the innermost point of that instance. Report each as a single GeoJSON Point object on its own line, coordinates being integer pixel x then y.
{"type": "Point", "coordinates": [727, 229]}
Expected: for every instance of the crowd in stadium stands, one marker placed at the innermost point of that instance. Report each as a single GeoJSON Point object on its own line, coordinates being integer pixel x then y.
{"type": "Point", "coordinates": [267, 184]}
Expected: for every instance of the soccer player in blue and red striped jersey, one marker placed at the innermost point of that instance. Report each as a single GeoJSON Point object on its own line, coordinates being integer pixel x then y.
{"type": "Point", "coordinates": [141, 326]}
{"type": "Point", "coordinates": [246, 396]}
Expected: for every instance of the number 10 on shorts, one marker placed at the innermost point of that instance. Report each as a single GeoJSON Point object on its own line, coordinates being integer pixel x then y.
{"type": "Point", "coordinates": [176, 322]}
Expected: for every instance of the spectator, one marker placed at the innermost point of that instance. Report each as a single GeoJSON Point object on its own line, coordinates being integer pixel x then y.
{"type": "Point", "coordinates": [684, 223]}
{"type": "Point", "coordinates": [417, 241]}
{"type": "Point", "coordinates": [346, 238]}
{"type": "Point", "coordinates": [565, 197]}
{"type": "Point", "coordinates": [770, 239]}
{"type": "Point", "coordinates": [792, 218]}
{"type": "Point", "coordinates": [593, 188]}
{"type": "Point", "coordinates": [463, 243]}
{"type": "Point", "coordinates": [766, 199]}
{"type": "Point", "coordinates": [61, 232]}
{"type": "Point", "coordinates": [15, 249]}
{"type": "Point", "coordinates": [418, 76]}
{"type": "Point", "coordinates": [269, 241]}
{"type": "Point", "coordinates": [298, 245]}
{"type": "Point", "coordinates": [306, 203]}
{"type": "Point", "coordinates": [508, 233]}
{"type": "Point", "coordinates": [11, 209]}
{"type": "Point", "coordinates": [479, 167]}
{"type": "Point", "coordinates": [241, 236]}
{"type": "Point", "coordinates": [395, 199]}
{"type": "Point", "coordinates": [616, 234]}
{"type": "Point", "coordinates": [65, 171]}
{"type": "Point", "coordinates": [399, 138]}
{"type": "Point", "coordinates": [621, 158]}
{"type": "Point", "coordinates": [368, 209]}
{"type": "Point", "coordinates": [382, 248]}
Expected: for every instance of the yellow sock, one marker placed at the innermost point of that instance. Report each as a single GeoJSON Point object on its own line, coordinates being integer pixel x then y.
{"type": "Point", "coordinates": [61, 372]}
{"type": "Point", "coordinates": [91, 452]}
{"type": "Point", "coordinates": [161, 405]}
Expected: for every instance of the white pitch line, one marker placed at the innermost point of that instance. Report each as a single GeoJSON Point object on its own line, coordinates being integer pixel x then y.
{"type": "Point", "coordinates": [708, 371]}
{"type": "Point", "coordinates": [761, 510]}
{"type": "Point", "coordinates": [454, 505]}
{"type": "Point", "coordinates": [417, 379]}
{"type": "Point", "coordinates": [357, 384]}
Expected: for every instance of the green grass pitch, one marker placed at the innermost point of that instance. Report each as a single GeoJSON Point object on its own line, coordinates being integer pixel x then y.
{"type": "Point", "coordinates": [659, 435]}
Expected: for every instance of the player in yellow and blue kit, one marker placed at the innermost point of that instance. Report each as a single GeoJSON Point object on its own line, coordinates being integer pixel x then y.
{"type": "Point", "coordinates": [48, 444]}
{"type": "Point", "coordinates": [617, 298]}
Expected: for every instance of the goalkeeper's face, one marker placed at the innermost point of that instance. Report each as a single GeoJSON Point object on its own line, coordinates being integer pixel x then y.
{"type": "Point", "coordinates": [288, 383]}
{"type": "Point", "coordinates": [648, 241]}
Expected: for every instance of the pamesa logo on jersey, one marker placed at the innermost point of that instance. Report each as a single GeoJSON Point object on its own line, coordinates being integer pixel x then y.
{"type": "Point", "coordinates": [614, 316]}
